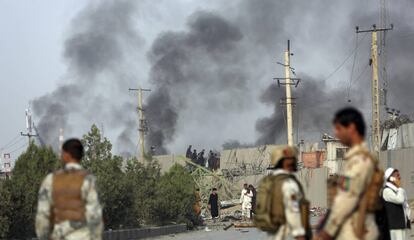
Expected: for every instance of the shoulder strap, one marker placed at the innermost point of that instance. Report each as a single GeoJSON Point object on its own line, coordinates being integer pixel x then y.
{"type": "Point", "coordinates": [370, 156]}
{"type": "Point", "coordinates": [284, 176]}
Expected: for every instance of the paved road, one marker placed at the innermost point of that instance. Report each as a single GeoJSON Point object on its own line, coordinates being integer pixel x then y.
{"type": "Point", "coordinates": [217, 234]}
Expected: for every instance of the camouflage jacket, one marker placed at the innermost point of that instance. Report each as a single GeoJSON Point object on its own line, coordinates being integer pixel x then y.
{"type": "Point", "coordinates": [68, 230]}
{"type": "Point", "coordinates": [352, 183]}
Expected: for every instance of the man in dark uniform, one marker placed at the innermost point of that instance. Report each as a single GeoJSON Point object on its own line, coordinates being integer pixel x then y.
{"type": "Point", "coordinates": [213, 204]}
{"type": "Point", "coordinates": [194, 156]}
{"type": "Point", "coordinates": [188, 154]}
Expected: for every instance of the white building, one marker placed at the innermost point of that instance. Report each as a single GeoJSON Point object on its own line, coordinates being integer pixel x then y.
{"type": "Point", "coordinates": [335, 153]}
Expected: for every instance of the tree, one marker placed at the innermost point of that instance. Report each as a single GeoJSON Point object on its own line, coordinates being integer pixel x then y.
{"type": "Point", "coordinates": [141, 181]}
{"type": "Point", "coordinates": [109, 177]}
{"type": "Point", "coordinates": [5, 205]}
{"type": "Point", "coordinates": [174, 197]}
{"type": "Point", "coordinates": [30, 169]}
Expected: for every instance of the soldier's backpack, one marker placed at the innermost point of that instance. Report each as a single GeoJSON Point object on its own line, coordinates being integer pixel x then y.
{"type": "Point", "coordinates": [270, 209]}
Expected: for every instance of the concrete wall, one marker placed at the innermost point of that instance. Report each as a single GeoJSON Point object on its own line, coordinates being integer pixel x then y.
{"type": "Point", "coordinates": [403, 160]}
{"type": "Point", "coordinates": [167, 161]}
{"type": "Point", "coordinates": [141, 233]}
{"type": "Point", "coordinates": [258, 156]}
{"type": "Point", "coordinates": [314, 183]}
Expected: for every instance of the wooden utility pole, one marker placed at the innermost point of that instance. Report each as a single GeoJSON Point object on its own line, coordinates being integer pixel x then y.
{"type": "Point", "coordinates": [376, 134]}
{"type": "Point", "coordinates": [288, 82]}
{"type": "Point", "coordinates": [142, 128]}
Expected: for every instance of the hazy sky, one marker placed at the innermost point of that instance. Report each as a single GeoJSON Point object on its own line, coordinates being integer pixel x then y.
{"type": "Point", "coordinates": [32, 62]}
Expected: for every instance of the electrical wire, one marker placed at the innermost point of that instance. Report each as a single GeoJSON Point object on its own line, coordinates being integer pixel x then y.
{"type": "Point", "coordinates": [353, 66]}
{"type": "Point", "coordinates": [17, 149]}
{"type": "Point", "coordinates": [11, 144]}
{"type": "Point", "coordinates": [11, 141]}
{"type": "Point", "coordinates": [346, 59]}
{"type": "Point", "coordinates": [359, 76]}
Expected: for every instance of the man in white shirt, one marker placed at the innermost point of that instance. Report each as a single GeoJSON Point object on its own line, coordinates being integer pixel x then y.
{"type": "Point", "coordinates": [396, 205]}
{"type": "Point", "coordinates": [242, 201]}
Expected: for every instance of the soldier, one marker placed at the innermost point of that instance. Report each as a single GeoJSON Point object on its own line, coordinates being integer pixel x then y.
{"type": "Point", "coordinates": [189, 153]}
{"type": "Point", "coordinates": [68, 206]}
{"type": "Point", "coordinates": [282, 209]}
{"type": "Point", "coordinates": [194, 156]}
{"type": "Point", "coordinates": [348, 217]}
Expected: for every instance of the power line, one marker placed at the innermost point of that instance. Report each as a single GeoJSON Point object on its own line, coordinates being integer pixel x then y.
{"type": "Point", "coordinates": [353, 66]}
{"type": "Point", "coordinates": [12, 144]}
{"type": "Point", "coordinates": [359, 76]}
{"type": "Point", "coordinates": [346, 59]}
{"type": "Point", "coordinates": [17, 149]}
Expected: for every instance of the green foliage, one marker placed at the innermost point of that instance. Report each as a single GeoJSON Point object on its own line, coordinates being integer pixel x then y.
{"type": "Point", "coordinates": [30, 169]}
{"type": "Point", "coordinates": [132, 193]}
{"type": "Point", "coordinates": [109, 177]}
{"type": "Point", "coordinates": [141, 180]}
{"type": "Point", "coordinates": [5, 203]}
{"type": "Point", "coordinates": [174, 197]}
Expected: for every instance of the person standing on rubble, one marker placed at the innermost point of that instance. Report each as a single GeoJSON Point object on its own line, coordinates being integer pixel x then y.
{"type": "Point", "coordinates": [197, 202]}
{"type": "Point", "coordinates": [68, 206]}
{"type": "Point", "coordinates": [243, 191]}
{"type": "Point", "coordinates": [194, 156]}
{"type": "Point", "coordinates": [252, 211]}
{"type": "Point", "coordinates": [246, 201]}
{"type": "Point", "coordinates": [213, 204]}
{"type": "Point", "coordinates": [396, 205]}
{"type": "Point", "coordinates": [281, 207]}
{"type": "Point", "coordinates": [189, 153]}
{"type": "Point", "coordinates": [351, 216]}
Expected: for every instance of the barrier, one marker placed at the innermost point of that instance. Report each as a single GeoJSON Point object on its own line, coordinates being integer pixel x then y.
{"type": "Point", "coordinates": [140, 233]}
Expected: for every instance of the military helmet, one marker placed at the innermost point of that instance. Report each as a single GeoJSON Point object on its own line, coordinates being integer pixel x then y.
{"type": "Point", "coordinates": [282, 152]}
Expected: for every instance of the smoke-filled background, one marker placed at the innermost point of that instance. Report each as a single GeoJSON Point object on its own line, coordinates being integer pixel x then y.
{"type": "Point", "coordinates": [210, 67]}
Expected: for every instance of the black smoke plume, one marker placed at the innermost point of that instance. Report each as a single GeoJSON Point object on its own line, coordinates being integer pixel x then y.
{"type": "Point", "coordinates": [96, 52]}
{"type": "Point", "coordinates": [196, 70]}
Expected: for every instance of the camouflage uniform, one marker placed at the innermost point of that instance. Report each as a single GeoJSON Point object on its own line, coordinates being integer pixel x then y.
{"type": "Point", "coordinates": [68, 230]}
{"type": "Point", "coordinates": [356, 176]}
{"type": "Point", "coordinates": [291, 196]}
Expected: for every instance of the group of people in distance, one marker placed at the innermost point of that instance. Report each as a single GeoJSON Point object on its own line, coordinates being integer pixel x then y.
{"type": "Point", "coordinates": [248, 201]}
{"type": "Point", "coordinates": [212, 161]}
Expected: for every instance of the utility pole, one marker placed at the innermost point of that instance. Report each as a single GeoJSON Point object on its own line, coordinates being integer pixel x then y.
{"type": "Point", "coordinates": [383, 54]}
{"type": "Point", "coordinates": [288, 82]}
{"type": "Point", "coordinates": [142, 128]}
{"type": "Point", "coordinates": [376, 134]}
{"type": "Point", "coordinates": [29, 126]}
{"type": "Point", "coordinates": [61, 138]}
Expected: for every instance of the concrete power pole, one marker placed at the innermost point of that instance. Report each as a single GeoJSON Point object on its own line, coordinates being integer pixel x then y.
{"type": "Point", "coordinates": [61, 138]}
{"type": "Point", "coordinates": [376, 134]}
{"type": "Point", "coordinates": [288, 82]}
{"type": "Point", "coordinates": [142, 124]}
{"type": "Point", "coordinates": [29, 126]}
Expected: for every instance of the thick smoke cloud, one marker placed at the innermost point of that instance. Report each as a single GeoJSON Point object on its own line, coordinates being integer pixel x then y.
{"type": "Point", "coordinates": [96, 51]}
{"type": "Point", "coordinates": [313, 110]}
{"type": "Point", "coordinates": [212, 79]}
{"type": "Point", "coordinates": [193, 70]}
